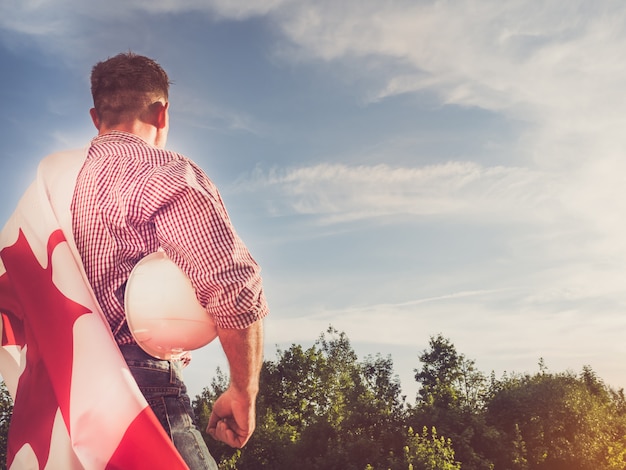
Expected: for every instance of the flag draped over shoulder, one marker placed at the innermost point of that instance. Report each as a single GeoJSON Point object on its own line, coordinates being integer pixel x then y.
{"type": "Point", "coordinates": [76, 405]}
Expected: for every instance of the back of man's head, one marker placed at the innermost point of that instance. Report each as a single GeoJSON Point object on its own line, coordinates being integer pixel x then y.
{"type": "Point", "coordinates": [124, 86]}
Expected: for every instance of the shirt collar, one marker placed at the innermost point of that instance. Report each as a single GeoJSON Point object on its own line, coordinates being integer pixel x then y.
{"type": "Point", "coordinates": [118, 136]}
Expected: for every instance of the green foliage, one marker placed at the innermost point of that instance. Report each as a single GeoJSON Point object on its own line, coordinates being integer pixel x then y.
{"type": "Point", "coordinates": [429, 452]}
{"type": "Point", "coordinates": [322, 407]}
{"type": "Point", "coordinates": [451, 398]}
{"type": "Point", "coordinates": [6, 409]}
{"type": "Point", "coordinates": [559, 421]}
{"type": "Point", "coordinates": [342, 413]}
{"type": "Point", "coordinates": [448, 379]}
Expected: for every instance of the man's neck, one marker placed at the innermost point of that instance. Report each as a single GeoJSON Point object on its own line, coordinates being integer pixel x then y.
{"type": "Point", "coordinates": [140, 129]}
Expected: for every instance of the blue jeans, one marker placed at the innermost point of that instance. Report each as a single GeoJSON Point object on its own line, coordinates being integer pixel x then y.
{"type": "Point", "coordinates": [162, 384]}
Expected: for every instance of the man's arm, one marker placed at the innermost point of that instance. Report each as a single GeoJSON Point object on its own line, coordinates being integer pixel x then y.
{"type": "Point", "coordinates": [233, 418]}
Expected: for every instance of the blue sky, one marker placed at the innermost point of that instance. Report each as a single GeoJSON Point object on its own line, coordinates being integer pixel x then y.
{"type": "Point", "coordinates": [399, 169]}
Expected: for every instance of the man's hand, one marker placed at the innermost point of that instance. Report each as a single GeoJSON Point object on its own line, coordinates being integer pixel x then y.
{"type": "Point", "coordinates": [233, 418]}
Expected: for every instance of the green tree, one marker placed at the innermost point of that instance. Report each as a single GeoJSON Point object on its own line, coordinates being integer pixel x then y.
{"type": "Point", "coordinates": [558, 421]}
{"type": "Point", "coordinates": [360, 412]}
{"type": "Point", "coordinates": [451, 398]}
{"type": "Point", "coordinates": [448, 379]}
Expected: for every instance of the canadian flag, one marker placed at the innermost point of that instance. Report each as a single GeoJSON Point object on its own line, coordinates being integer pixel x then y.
{"type": "Point", "coordinates": [76, 405]}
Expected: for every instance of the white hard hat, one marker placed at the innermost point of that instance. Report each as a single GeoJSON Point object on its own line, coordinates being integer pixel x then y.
{"type": "Point", "coordinates": [162, 311]}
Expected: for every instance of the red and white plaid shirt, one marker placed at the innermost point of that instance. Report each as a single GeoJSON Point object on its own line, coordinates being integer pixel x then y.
{"type": "Point", "coordinates": [131, 199]}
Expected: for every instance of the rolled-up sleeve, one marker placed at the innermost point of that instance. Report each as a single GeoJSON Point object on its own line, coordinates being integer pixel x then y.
{"type": "Point", "coordinates": [194, 229]}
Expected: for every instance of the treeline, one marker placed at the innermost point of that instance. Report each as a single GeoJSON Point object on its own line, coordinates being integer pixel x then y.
{"type": "Point", "coordinates": [322, 408]}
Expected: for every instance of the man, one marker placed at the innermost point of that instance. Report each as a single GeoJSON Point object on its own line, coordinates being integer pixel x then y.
{"type": "Point", "coordinates": [133, 197]}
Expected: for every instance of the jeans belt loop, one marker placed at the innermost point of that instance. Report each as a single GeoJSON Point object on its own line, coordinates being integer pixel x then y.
{"type": "Point", "coordinates": [172, 372]}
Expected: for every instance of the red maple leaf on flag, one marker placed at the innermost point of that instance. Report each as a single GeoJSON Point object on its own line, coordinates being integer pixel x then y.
{"type": "Point", "coordinates": [41, 317]}
{"type": "Point", "coordinates": [41, 393]}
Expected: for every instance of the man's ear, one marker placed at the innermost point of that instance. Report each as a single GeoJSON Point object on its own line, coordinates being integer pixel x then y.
{"type": "Point", "coordinates": [95, 118]}
{"type": "Point", "coordinates": [160, 114]}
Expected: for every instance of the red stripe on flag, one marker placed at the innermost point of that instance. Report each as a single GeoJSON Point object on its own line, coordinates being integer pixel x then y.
{"type": "Point", "coordinates": [137, 450]}
{"type": "Point", "coordinates": [35, 403]}
{"type": "Point", "coordinates": [11, 314]}
{"type": "Point", "coordinates": [8, 335]}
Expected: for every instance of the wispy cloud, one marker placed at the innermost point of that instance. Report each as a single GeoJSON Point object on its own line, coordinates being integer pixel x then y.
{"type": "Point", "coordinates": [206, 114]}
{"type": "Point", "coordinates": [340, 193]}
{"type": "Point", "coordinates": [485, 325]}
{"type": "Point", "coordinates": [61, 18]}
{"type": "Point", "coordinates": [495, 55]}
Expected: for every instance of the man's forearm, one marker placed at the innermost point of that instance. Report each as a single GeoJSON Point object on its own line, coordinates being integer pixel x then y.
{"type": "Point", "coordinates": [244, 351]}
{"type": "Point", "coordinates": [233, 417]}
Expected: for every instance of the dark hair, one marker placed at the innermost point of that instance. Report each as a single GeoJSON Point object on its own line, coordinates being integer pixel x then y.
{"type": "Point", "coordinates": [125, 85]}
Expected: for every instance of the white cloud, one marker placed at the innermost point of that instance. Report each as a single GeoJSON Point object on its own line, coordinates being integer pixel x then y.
{"type": "Point", "coordinates": [336, 192]}
{"type": "Point", "coordinates": [496, 55]}
{"type": "Point", "coordinates": [58, 17]}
